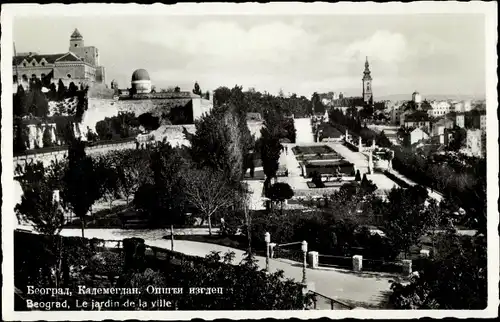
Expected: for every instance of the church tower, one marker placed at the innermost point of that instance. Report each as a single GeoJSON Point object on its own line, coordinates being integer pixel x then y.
{"type": "Point", "coordinates": [367, 84]}
{"type": "Point", "coordinates": [76, 40]}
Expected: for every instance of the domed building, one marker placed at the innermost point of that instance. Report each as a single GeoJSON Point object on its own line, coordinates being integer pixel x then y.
{"type": "Point", "coordinates": [416, 97]}
{"type": "Point", "coordinates": [141, 83]}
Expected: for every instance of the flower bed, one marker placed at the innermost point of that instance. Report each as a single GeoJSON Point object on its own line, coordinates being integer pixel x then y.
{"type": "Point", "coordinates": [314, 149]}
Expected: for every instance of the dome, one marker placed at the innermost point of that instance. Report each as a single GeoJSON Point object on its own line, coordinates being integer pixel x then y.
{"type": "Point", "coordinates": [140, 74]}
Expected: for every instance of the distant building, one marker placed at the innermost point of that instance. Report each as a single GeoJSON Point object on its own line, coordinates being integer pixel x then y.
{"type": "Point", "coordinates": [416, 119]}
{"type": "Point", "coordinates": [439, 127]}
{"type": "Point", "coordinates": [439, 108]}
{"type": "Point", "coordinates": [462, 107]}
{"type": "Point", "coordinates": [418, 135]}
{"type": "Point", "coordinates": [460, 120]}
{"type": "Point", "coordinates": [416, 98]}
{"type": "Point", "coordinates": [474, 143]}
{"type": "Point", "coordinates": [79, 65]}
{"type": "Point", "coordinates": [482, 124]}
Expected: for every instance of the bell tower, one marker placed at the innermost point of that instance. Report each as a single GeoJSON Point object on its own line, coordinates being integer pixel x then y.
{"type": "Point", "coordinates": [367, 84]}
{"type": "Point", "coordinates": [76, 40]}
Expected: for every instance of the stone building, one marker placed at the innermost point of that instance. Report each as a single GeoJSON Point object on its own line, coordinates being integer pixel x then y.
{"type": "Point", "coordinates": [80, 65]}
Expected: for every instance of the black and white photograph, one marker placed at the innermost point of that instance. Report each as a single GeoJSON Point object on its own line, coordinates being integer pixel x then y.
{"type": "Point", "coordinates": [317, 160]}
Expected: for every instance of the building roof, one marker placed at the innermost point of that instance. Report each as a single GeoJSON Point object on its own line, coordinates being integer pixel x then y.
{"type": "Point", "coordinates": [69, 57]}
{"type": "Point", "coordinates": [50, 58]}
{"type": "Point", "coordinates": [140, 74]}
{"type": "Point", "coordinates": [76, 34]}
{"type": "Point", "coordinates": [443, 122]}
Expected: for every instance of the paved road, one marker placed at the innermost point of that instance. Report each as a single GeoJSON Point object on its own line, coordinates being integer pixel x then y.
{"type": "Point", "coordinates": [359, 289]}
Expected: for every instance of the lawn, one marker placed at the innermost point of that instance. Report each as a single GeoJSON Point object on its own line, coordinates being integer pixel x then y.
{"type": "Point", "coordinates": [329, 131]}
{"type": "Point", "coordinates": [314, 149]}
{"type": "Point", "coordinates": [330, 167]}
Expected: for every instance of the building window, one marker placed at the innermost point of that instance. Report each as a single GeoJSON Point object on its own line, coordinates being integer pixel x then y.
{"type": "Point", "coordinates": [43, 63]}
{"type": "Point", "coordinates": [76, 45]}
{"type": "Point", "coordinates": [69, 75]}
{"type": "Point", "coordinates": [24, 64]}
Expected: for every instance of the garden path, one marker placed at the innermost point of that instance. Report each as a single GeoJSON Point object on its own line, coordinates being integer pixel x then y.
{"type": "Point", "coordinates": [364, 289]}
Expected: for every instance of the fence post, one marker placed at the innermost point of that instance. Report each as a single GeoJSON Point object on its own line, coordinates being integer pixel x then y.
{"type": "Point", "coordinates": [357, 263]}
{"type": "Point", "coordinates": [406, 266]}
{"type": "Point", "coordinates": [313, 259]}
{"type": "Point", "coordinates": [172, 237]}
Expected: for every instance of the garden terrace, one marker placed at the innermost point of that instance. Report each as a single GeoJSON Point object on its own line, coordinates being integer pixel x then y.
{"type": "Point", "coordinates": [312, 150]}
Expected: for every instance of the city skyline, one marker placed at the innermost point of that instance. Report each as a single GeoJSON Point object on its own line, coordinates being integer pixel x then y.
{"type": "Point", "coordinates": [299, 54]}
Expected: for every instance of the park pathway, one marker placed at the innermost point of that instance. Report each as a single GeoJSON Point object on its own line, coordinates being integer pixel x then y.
{"type": "Point", "coordinates": [364, 289]}
{"type": "Point", "coordinates": [304, 131]}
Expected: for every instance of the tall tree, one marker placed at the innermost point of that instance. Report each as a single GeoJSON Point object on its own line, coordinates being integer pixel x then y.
{"type": "Point", "coordinates": [406, 218]}
{"type": "Point", "coordinates": [61, 90]}
{"type": "Point", "coordinates": [217, 143]}
{"type": "Point", "coordinates": [81, 184]}
{"type": "Point", "coordinates": [208, 191]}
{"type": "Point", "coordinates": [163, 200]}
{"type": "Point", "coordinates": [270, 150]}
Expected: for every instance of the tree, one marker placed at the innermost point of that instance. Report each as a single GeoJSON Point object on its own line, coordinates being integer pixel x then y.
{"type": "Point", "coordinates": [217, 143]}
{"type": "Point", "coordinates": [383, 141]}
{"type": "Point", "coordinates": [19, 102]}
{"type": "Point", "coordinates": [280, 191]}
{"type": "Point", "coordinates": [358, 176]}
{"type": "Point", "coordinates": [270, 151]}
{"type": "Point", "coordinates": [196, 89]}
{"type": "Point", "coordinates": [61, 90]}
{"type": "Point", "coordinates": [459, 136]}
{"type": "Point", "coordinates": [103, 130]}
{"type": "Point", "coordinates": [208, 191]}
{"type": "Point", "coordinates": [132, 169]}
{"type": "Point", "coordinates": [81, 184]}
{"type": "Point", "coordinates": [406, 219]}
{"type": "Point", "coordinates": [72, 89]}
{"type": "Point", "coordinates": [163, 200]}
{"type": "Point", "coordinates": [460, 268]}
{"type": "Point", "coordinates": [47, 136]}
{"type": "Point", "coordinates": [37, 203]}
{"type": "Point", "coordinates": [177, 89]}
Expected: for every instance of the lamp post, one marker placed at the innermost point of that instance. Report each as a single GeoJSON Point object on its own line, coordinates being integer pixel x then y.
{"type": "Point", "coordinates": [267, 238]}
{"type": "Point", "coordinates": [304, 250]}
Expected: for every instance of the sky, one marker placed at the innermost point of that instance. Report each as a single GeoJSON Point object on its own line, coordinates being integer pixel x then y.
{"type": "Point", "coordinates": [438, 54]}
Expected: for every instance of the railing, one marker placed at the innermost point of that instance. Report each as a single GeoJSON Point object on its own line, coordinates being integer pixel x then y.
{"type": "Point", "coordinates": [296, 255]}
{"type": "Point", "coordinates": [374, 265]}
{"type": "Point", "coordinates": [335, 261]}
{"type": "Point", "coordinates": [322, 302]}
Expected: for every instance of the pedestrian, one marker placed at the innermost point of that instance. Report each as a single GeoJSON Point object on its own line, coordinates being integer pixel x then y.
{"type": "Point", "coordinates": [286, 150]}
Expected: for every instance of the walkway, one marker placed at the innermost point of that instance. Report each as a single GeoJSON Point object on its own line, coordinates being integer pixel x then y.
{"type": "Point", "coordinates": [364, 289]}
{"type": "Point", "coordinates": [304, 131]}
